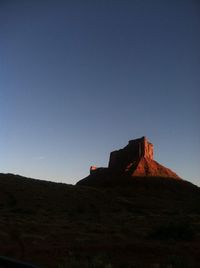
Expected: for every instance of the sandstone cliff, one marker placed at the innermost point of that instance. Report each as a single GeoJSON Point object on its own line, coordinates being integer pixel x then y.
{"type": "Point", "coordinates": [134, 160]}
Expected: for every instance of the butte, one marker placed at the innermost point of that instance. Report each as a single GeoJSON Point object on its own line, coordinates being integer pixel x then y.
{"type": "Point", "coordinates": [134, 161]}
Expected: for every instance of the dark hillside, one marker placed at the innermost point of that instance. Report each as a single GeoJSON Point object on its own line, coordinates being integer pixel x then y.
{"type": "Point", "coordinates": [58, 225]}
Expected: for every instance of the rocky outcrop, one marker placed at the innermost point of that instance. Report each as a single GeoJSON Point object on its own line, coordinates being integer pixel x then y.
{"type": "Point", "coordinates": [135, 150]}
{"type": "Point", "coordinates": [134, 160]}
{"type": "Point", "coordinates": [148, 167]}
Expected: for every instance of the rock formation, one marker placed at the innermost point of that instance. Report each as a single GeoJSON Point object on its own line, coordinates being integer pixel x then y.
{"type": "Point", "coordinates": [123, 159]}
{"type": "Point", "coordinates": [134, 160]}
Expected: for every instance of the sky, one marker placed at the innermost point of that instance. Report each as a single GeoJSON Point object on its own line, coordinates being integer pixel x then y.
{"type": "Point", "coordinates": [79, 79]}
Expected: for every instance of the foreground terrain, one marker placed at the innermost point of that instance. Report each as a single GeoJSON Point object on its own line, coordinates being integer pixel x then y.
{"type": "Point", "coordinates": [147, 222]}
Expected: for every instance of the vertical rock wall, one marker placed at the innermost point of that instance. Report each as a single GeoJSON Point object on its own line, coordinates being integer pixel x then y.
{"type": "Point", "coordinates": [134, 151]}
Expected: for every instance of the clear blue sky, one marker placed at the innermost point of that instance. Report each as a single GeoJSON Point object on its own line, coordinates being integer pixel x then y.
{"type": "Point", "coordinates": [79, 79]}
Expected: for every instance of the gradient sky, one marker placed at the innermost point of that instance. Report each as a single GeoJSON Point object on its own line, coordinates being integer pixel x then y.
{"type": "Point", "coordinates": [79, 79]}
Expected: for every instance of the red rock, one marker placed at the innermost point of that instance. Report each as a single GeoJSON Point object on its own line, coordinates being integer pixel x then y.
{"type": "Point", "coordinates": [149, 167]}
{"type": "Point", "coordinates": [134, 160]}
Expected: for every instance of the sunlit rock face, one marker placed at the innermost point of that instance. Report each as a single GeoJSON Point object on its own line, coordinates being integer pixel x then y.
{"type": "Point", "coordinates": [129, 155]}
{"type": "Point", "coordinates": [148, 167]}
{"type": "Point", "coordinates": [134, 160]}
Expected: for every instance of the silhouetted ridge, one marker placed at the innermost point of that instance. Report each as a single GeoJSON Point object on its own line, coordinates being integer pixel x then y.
{"type": "Point", "coordinates": [139, 216]}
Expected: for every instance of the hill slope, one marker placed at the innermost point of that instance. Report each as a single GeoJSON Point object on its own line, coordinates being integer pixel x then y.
{"type": "Point", "coordinates": [155, 218]}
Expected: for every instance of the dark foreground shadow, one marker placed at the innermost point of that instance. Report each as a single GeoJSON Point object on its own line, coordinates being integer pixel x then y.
{"type": "Point", "coordinates": [6, 262]}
